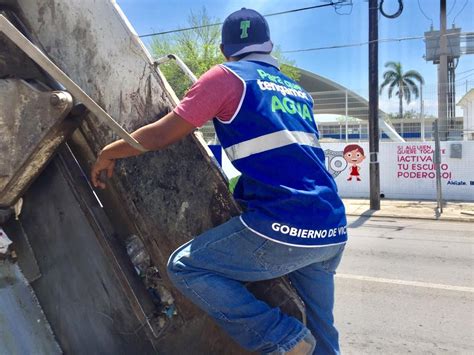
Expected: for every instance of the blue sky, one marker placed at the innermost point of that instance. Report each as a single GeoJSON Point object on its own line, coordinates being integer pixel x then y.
{"type": "Point", "coordinates": [324, 27]}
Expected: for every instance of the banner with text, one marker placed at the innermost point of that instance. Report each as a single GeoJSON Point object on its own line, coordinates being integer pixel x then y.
{"type": "Point", "coordinates": [407, 170]}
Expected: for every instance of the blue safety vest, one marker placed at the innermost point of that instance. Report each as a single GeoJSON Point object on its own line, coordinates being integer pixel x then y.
{"type": "Point", "coordinates": [285, 189]}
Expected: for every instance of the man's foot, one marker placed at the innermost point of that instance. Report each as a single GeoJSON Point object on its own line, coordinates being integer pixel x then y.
{"type": "Point", "coordinates": [304, 347]}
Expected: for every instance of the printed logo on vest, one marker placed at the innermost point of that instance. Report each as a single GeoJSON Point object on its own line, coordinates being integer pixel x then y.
{"type": "Point", "coordinates": [309, 233]}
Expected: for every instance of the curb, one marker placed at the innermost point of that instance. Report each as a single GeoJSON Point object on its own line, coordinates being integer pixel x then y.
{"type": "Point", "coordinates": [372, 213]}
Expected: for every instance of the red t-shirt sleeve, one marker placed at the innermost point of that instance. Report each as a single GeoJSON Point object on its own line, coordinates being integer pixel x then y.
{"type": "Point", "coordinates": [217, 93]}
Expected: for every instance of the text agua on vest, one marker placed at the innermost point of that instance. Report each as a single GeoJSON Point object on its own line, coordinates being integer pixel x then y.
{"type": "Point", "coordinates": [285, 87]}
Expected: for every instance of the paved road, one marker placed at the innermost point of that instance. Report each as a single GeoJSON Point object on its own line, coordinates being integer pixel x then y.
{"type": "Point", "coordinates": [406, 286]}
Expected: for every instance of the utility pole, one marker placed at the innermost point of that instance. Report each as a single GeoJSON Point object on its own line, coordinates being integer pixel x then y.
{"type": "Point", "coordinates": [443, 74]}
{"type": "Point", "coordinates": [374, 105]}
{"type": "Point", "coordinates": [347, 118]}
{"type": "Point", "coordinates": [437, 163]}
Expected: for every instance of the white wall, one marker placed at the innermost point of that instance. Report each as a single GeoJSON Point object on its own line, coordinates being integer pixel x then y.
{"type": "Point", "coordinates": [468, 110]}
{"type": "Point", "coordinates": [406, 171]}
{"type": "Point", "coordinates": [467, 104]}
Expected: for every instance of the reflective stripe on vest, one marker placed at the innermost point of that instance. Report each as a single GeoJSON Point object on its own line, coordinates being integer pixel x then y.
{"type": "Point", "coordinates": [270, 141]}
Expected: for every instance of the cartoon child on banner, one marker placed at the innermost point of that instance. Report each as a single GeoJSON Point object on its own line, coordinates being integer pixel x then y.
{"type": "Point", "coordinates": [354, 155]}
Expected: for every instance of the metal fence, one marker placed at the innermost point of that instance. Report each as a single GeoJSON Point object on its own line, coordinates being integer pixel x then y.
{"type": "Point", "coordinates": [409, 129]}
{"type": "Point", "coordinates": [342, 115]}
{"type": "Point", "coordinates": [415, 124]}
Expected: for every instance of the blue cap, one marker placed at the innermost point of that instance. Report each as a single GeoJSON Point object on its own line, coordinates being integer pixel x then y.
{"type": "Point", "coordinates": [245, 31]}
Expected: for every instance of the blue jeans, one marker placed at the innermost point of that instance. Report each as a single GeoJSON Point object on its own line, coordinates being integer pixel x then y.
{"type": "Point", "coordinates": [210, 271]}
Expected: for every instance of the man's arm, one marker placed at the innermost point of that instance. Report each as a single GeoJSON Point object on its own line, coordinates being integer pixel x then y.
{"type": "Point", "coordinates": [217, 93]}
{"type": "Point", "coordinates": [154, 136]}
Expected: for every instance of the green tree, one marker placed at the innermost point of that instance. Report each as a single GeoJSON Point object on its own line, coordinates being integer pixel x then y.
{"type": "Point", "coordinates": [199, 49]}
{"type": "Point", "coordinates": [409, 114]}
{"type": "Point", "coordinates": [287, 66]}
{"type": "Point", "coordinates": [406, 84]}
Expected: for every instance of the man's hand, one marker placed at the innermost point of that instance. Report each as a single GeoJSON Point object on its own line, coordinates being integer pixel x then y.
{"type": "Point", "coordinates": [153, 136]}
{"type": "Point", "coordinates": [102, 165]}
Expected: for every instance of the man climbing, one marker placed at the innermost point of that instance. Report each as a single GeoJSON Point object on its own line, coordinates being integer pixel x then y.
{"type": "Point", "coordinates": [293, 221]}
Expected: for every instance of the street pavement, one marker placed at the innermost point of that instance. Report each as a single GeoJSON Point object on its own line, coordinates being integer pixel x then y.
{"type": "Point", "coordinates": [406, 286]}
{"type": "Point", "coordinates": [452, 211]}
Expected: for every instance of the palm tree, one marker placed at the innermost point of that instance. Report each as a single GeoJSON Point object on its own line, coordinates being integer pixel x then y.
{"type": "Point", "coordinates": [406, 84]}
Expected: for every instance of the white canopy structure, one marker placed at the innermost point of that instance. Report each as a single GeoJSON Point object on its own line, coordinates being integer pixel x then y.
{"type": "Point", "coordinates": [333, 98]}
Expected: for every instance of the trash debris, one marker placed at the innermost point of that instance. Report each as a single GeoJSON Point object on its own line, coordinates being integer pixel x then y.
{"type": "Point", "coordinates": [137, 254]}
{"type": "Point", "coordinates": [154, 284]}
{"type": "Point", "coordinates": [162, 298]}
{"type": "Point", "coordinates": [4, 242]}
{"type": "Point", "coordinates": [170, 311]}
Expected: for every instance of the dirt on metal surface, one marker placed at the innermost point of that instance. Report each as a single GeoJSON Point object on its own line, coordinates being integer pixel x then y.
{"type": "Point", "coordinates": [31, 129]}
